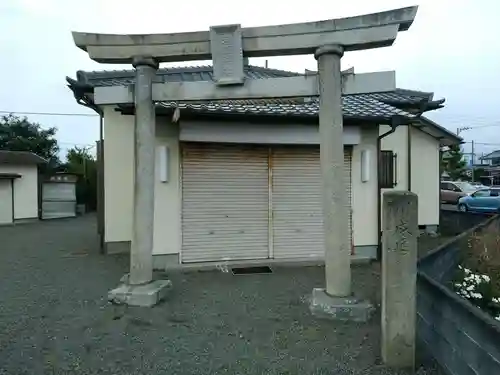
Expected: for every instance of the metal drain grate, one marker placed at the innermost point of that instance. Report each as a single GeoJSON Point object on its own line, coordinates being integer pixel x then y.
{"type": "Point", "coordinates": [251, 270]}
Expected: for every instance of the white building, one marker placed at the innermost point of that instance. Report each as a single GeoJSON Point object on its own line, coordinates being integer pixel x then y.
{"type": "Point", "coordinates": [19, 186]}
{"type": "Point", "coordinates": [240, 180]}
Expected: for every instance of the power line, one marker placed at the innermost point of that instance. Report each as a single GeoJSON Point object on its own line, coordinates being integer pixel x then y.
{"type": "Point", "coordinates": [448, 112]}
{"type": "Point", "coordinates": [451, 121]}
{"type": "Point", "coordinates": [443, 118]}
{"type": "Point", "coordinates": [50, 114]}
{"type": "Point", "coordinates": [453, 118]}
{"type": "Point", "coordinates": [485, 143]}
{"type": "Point", "coordinates": [70, 144]}
{"type": "Point", "coordinates": [483, 126]}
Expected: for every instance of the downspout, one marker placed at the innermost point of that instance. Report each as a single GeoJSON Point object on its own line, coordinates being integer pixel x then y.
{"type": "Point", "coordinates": [408, 159]}
{"type": "Point", "coordinates": [84, 101]}
{"type": "Point", "coordinates": [100, 184]}
{"type": "Point", "coordinates": [395, 122]}
{"type": "Point", "coordinates": [440, 169]}
{"type": "Point", "coordinates": [12, 200]}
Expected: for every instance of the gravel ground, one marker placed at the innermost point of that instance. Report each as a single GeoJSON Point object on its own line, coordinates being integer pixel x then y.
{"type": "Point", "coordinates": [54, 318]}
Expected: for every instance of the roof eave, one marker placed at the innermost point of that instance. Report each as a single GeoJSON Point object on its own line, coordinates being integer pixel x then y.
{"type": "Point", "coordinates": [83, 93]}
{"type": "Point", "coordinates": [9, 176]}
{"type": "Point", "coordinates": [198, 114]}
{"type": "Point", "coordinates": [445, 137]}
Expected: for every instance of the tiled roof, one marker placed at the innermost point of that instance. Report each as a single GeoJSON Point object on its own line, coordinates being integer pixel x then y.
{"type": "Point", "coordinates": [20, 157]}
{"type": "Point", "coordinates": [353, 106]}
{"type": "Point", "coordinates": [360, 106]}
{"type": "Point", "coordinates": [179, 74]}
{"type": "Point", "coordinates": [491, 155]}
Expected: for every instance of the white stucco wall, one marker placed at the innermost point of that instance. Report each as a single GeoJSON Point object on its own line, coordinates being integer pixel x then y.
{"type": "Point", "coordinates": [118, 162]}
{"type": "Point", "coordinates": [118, 175]}
{"type": "Point", "coordinates": [364, 205]}
{"type": "Point", "coordinates": [424, 169]}
{"type": "Point", "coordinates": [425, 176]}
{"type": "Point", "coordinates": [25, 190]}
{"type": "Point", "coordinates": [167, 238]}
{"type": "Point", "coordinates": [397, 142]}
{"type": "Point", "coordinates": [119, 183]}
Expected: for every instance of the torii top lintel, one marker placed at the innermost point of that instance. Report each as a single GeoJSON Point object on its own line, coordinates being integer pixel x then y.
{"type": "Point", "coordinates": [353, 33]}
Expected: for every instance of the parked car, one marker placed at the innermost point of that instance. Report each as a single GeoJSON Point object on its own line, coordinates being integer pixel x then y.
{"type": "Point", "coordinates": [479, 186]}
{"type": "Point", "coordinates": [452, 191]}
{"type": "Point", "coordinates": [484, 200]}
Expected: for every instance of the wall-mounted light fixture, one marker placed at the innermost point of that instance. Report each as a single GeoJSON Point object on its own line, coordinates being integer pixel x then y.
{"type": "Point", "coordinates": [365, 165]}
{"type": "Point", "coordinates": [163, 163]}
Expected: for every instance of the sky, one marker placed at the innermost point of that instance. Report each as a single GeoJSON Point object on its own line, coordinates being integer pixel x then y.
{"type": "Point", "coordinates": [450, 50]}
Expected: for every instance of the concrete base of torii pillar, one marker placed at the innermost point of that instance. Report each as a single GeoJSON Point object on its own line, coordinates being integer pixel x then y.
{"type": "Point", "coordinates": [336, 300]}
{"type": "Point", "coordinates": [330, 307]}
{"type": "Point", "coordinates": [146, 295]}
{"type": "Point", "coordinates": [139, 288]}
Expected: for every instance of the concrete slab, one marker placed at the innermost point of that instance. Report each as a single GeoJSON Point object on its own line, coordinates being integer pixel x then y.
{"type": "Point", "coordinates": [352, 309]}
{"type": "Point", "coordinates": [146, 295]}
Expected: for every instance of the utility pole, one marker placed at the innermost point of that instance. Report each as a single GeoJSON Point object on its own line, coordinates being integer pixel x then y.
{"type": "Point", "coordinates": [461, 129]}
{"type": "Point", "coordinates": [85, 167]}
{"type": "Point", "coordinates": [472, 161]}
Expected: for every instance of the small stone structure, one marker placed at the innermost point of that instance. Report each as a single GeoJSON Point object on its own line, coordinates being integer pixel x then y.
{"type": "Point", "coordinates": [227, 46]}
{"type": "Point", "coordinates": [399, 278]}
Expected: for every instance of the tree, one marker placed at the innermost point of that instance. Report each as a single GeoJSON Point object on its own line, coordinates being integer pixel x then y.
{"type": "Point", "coordinates": [19, 134]}
{"type": "Point", "coordinates": [454, 164]}
{"type": "Point", "coordinates": [78, 160]}
{"type": "Point", "coordinates": [82, 163]}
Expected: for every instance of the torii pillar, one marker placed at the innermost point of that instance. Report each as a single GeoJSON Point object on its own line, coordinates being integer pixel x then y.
{"type": "Point", "coordinates": [139, 288]}
{"type": "Point", "coordinates": [226, 46]}
{"type": "Point", "coordinates": [336, 232]}
{"type": "Point", "coordinates": [336, 300]}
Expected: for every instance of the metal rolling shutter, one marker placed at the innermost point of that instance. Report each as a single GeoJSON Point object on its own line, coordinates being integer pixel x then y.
{"type": "Point", "coordinates": [347, 171]}
{"type": "Point", "coordinates": [58, 200]}
{"type": "Point", "coordinates": [225, 202]}
{"type": "Point", "coordinates": [296, 201]}
{"type": "Point", "coordinates": [6, 204]}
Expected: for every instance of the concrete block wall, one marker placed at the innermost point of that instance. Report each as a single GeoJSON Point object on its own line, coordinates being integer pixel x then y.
{"type": "Point", "coordinates": [452, 223]}
{"type": "Point", "coordinates": [461, 338]}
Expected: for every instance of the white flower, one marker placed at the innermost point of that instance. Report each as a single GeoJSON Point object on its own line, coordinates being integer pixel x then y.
{"type": "Point", "coordinates": [470, 288]}
{"type": "Point", "coordinates": [498, 317]}
{"type": "Point", "coordinates": [486, 278]}
{"type": "Point", "coordinates": [467, 271]}
{"type": "Point", "coordinates": [476, 295]}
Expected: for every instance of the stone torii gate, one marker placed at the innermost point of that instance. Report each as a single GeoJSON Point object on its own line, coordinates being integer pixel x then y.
{"type": "Point", "coordinates": [226, 46]}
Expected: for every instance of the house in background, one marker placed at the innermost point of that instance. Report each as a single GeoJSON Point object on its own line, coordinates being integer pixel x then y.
{"type": "Point", "coordinates": [240, 180]}
{"type": "Point", "coordinates": [491, 164]}
{"type": "Point", "coordinates": [19, 186]}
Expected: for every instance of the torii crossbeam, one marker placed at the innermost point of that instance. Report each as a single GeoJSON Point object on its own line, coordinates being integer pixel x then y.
{"type": "Point", "coordinates": [227, 46]}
